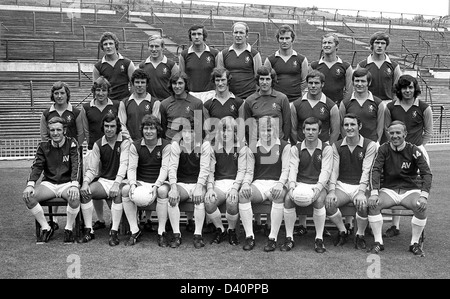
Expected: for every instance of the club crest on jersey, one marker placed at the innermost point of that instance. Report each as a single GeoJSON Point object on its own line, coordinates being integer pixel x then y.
{"type": "Point", "coordinates": [165, 71]}
{"type": "Point", "coordinates": [118, 150]}
{"type": "Point", "coordinates": [295, 64]}
{"type": "Point", "coordinates": [122, 68]}
{"type": "Point", "coordinates": [414, 114]}
{"type": "Point", "coordinates": [388, 72]}
{"type": "Point", "coordinates": [208, 59]}
{"type": "Point", "coordinates": [65, 158]}
{"type": "Point", "coordinates": [188, 109]}
{"type": "Point", "coordinates": [247, 59]}
{"type": "Point", "coordinates": [274, 106]}
{"type": "Point", "coordinates": [69, 118]}
{"type": "Point", "coordinates": [361, 156]}
{"type": "Point", "coordinates": [322, 111]}
{"type": "Point", "coordinates": [338, 72]}
{"type": "Point", "coordinates": [232, 108]}
{"type": "Point", "coordinates": [158, 155]}
{"type": "Point", "coordinates": [110, 111]}
{"type": "Point", "coordinates": [278, 152]}
{"type": "Point", "coordinates": [319, 158]}
{"type": "Point", "coordinates": [371, 108]}
{"type": "Point", "coordinates": [235, 156]}
{"type": "Point", "coordinates": [147, 107]}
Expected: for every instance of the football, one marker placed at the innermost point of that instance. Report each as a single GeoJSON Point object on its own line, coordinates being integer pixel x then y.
{"type": "Point", "coordinates": [141, 197]}
{"type": "Point", "coordinates": [303, 196]}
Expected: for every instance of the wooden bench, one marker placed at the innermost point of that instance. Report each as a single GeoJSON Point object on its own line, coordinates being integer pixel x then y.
{"type": "Point", "coordinates": [60, 202]}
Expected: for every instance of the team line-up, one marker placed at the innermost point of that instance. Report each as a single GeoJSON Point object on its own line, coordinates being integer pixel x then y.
{"type": "Point", "coordinates": [221, 127]}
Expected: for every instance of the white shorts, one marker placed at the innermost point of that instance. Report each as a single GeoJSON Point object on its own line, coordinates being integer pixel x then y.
{"type": "Point", "coordinates": [350, 190]}
{"type": "Point", "coordinates": [58, 189]}
{"type": "Point", "coordinates": [189, 188]}
{"type": "Point", "coordinates": [396, 197]}
{"type": "Point", "coordinates": [224, 185]}
{"type": "Point", "coordinates": [264, 187]}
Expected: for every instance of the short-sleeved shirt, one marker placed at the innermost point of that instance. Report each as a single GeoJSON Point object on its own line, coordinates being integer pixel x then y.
{"type": "Point", "coordinates": [117, 75]}
{"type": "Point", "coordinates": [159, 77]}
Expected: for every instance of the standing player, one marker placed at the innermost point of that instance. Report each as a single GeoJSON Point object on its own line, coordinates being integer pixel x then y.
{"type": "Point", "coordinates": [315, 103]}
{"type": "Point", "coordinates": [291, 68]}
{"type": "Point", "coordinates": [227, 170]}
{"type": "Point", "coordinates": [385, 72]}
{"type": "Point", "coordinates": [188, 173]}
{"type": "Point", "coordinates": [199, 60]}
{"type": "Point", "coordinates": [114, 67]}
{"type": "Point", "coordinates": [265, 179]}
{"type": "Point", "coordinates": [352, 159]}
{"type": "Point", "coordinates": [368, 107]}
{"type": "Point", "coordinates": [109, 159]}
{"type": "Point", "coordinates": [418, 118]}
{"type": "Point", "coordinates": [140, 103]}
{"type": "Point", "coordinates": [242, 61]}
{"type": "Point", "coordinates": [310, 167]}
{"type": "Point", "coordinates": [59, 160]}
{"type": "Point", "coordinates": [95, 110]}
{"type": "Point", "coordinates": [399, 161]}
{"type": "Point", "coordinates": [147, 171]}
{"type": "Point", "coordinates": [338, 73]}
{"type": "Point", "coordinates": [159, 68]}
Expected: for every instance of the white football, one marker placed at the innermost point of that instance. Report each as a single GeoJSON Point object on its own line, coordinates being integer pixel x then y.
{"type": "Point", "coordinates": [141, 197]}
{"type": "Point", "coordinates": [303, 196]}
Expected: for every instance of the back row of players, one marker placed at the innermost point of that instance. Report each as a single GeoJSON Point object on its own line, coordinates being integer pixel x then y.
{"type": "Point", "coordinates": [289, 109]}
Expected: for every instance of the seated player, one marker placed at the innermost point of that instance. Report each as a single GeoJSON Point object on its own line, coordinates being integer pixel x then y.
{"type": "Point", "coordinates": [147, 171]}
{"type": "Point", "coordinates": [59, 160]}
{"type": "Point", "coordinates": [310, 168]}
{"type": "Point", "coordinates": [265, 178]}
{"type": "Point", "coordinates": [399, 162]}
{"type": "Point", "coordinates": [188, 172]}
{"type": "Point", "coordinates": [228, 166]}
{"type": "Point", "coordinates": [108, 159]}
{"type": "Point", "coordinates": [352, 159]}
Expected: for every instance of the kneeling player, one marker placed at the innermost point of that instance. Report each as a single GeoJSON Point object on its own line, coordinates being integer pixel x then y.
{"type": "Point", "coordinates": [352, 159]}
{"type": "Point", "coordinates": [59, 160]}
{"type": "Point", "coordinates": [109, 158]}
{"type": "Point", "coordinates": [399, 161]}
{"type": "Point", "coordinates": [265, 179]}
{"type": "Point", "coordinates": [228, 166]}
{"type": "Point", "coordinates": [310, 168]}
{"type": "Point", "coordinates": [147, 171]}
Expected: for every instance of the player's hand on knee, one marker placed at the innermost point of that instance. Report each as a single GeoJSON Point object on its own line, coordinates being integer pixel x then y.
{"type": "Point", "coordinates": [74, 193]}
{"type": "Point", "coordinates": [233, 196]}
{"type": "Point", "coordinates": [361, 201]}
{"type": "Point", "coordinates": [28, 193]}
{"type": "Point", "coordinates": [246, 190]}
{"type": "Point", "coordinates": [114, 191]}
{"type": "Point", "coordinates": [174, 197]}
{"type": "Point", "coordinates": [373, 201]}
{"type": "Point", "coordinates": [421, 204]}
{"type": "Point", "coordinates": [330, 200]}
{"type": "Point", "coordinates": [210, 196]}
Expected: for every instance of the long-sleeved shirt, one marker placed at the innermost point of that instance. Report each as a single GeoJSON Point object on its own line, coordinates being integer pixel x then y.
{"type": "Point", "coordinates": [276, 105]}
{"type": "Point", "coordinates": [315, 168]}
{"type": "Point", "coordinates": [324, 109]}
{"type": "Point", "coordinates": [352, 166]}
{"type": "Point", "coordinates": [61, 163]}
{"type": "Point", "coordinates": [418, 120]}
{"type": "Point", "coordinates": [291, 73]}
{"type": "Point", "coordinates": [108, 161]}
{"type": "Point", "coordinates": [399, 167]}
{"type": "Point", "coordinates": [151, 166]}
{"type": "Point", "coordinates": [371, 113]}
{"type": "Point", "coordinates": [228, 165]}
{"type": "Point", "coordinates": [268, 161]}
{"type": "Point", "coordinates": [131, 112]}
{"type": "Point", "coordinates": [189, 165]}
{"type": "Point", "coordinates": [73, 117]}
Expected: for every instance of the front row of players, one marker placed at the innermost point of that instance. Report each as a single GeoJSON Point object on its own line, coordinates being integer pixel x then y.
{"type": "Point", "coordinates": [228, 171]}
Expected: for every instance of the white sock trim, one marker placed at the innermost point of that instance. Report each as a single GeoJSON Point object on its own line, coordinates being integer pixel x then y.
{"type": "Point", "coordinates": [419, 222]}
{"type": "Point", "coordinates": [375, 218]}
{"type": "Point", "coordinates": [319, 212]}
{"type": "Point", "coordinates": [86, 206]}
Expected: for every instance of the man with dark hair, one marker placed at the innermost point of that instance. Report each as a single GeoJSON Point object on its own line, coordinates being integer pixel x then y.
{"type": "Point", "coordinates": [241, 60]}
{"type": "Point", "coordinates": [158, 67]}
{"type": "Point", "coordinates": [198, 60]}
{"type": "Point", "coordinates": [147, 172]}
{"type": "Point", "coordinates": [109, 159]}
{"type": "Point", "coordinates": [352, 159]}
{"type": "Point", "coordinates": [399, 161]}
{"type": "Point", "coordinates": [291, 67]}
{"type": "Point", "coordinates": [338, 83]}
{"type": "Point", "coordinates": [310, 167]}
{"type": "Point", "coordinates": [114, 67]}
{"type": "Point", "coordinates": [140, 103]}
{"type": "Point", "coordinates": [59, 160]}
